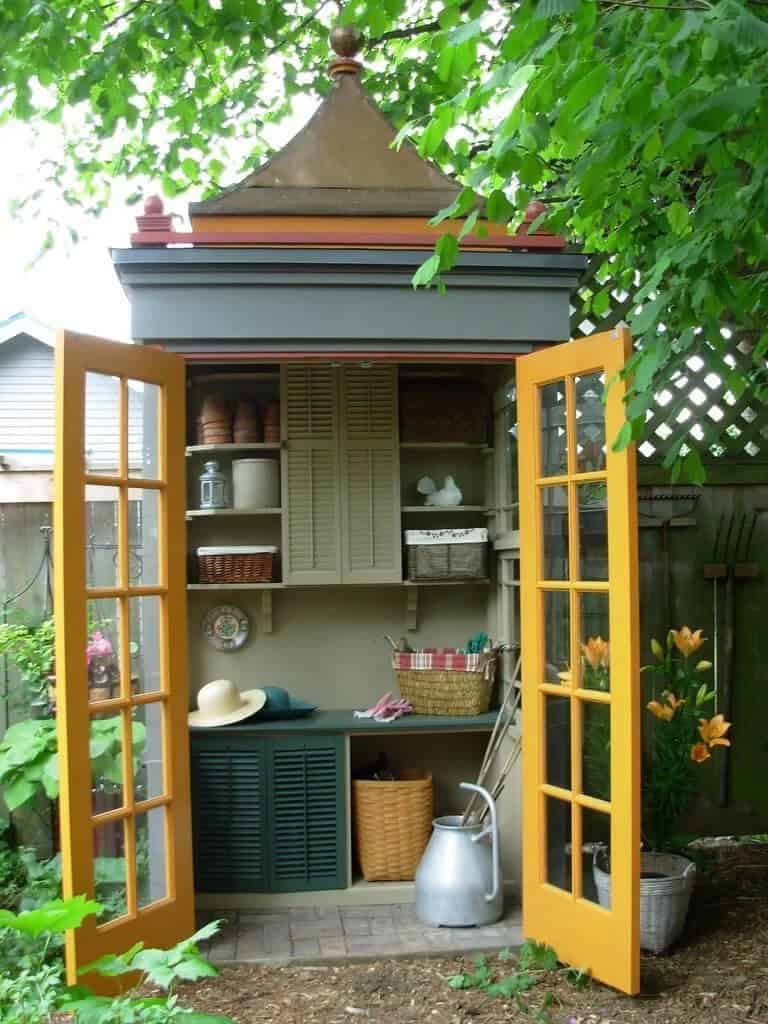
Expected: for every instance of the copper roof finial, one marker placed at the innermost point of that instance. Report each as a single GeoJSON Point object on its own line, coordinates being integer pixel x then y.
{"type": "Point", "coordinates": [346, 43]}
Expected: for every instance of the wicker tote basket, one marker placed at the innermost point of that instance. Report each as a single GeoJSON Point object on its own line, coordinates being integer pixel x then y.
{"type": "Point", "coordinates": [393, 823]}
{"type": "Point", "coordinates": [445, 682]}
{"type": "Point", "coordinates": [237, 564]}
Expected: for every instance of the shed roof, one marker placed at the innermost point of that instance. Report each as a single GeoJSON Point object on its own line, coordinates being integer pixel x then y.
{"type": "Point", "coordinates": [341, 162]}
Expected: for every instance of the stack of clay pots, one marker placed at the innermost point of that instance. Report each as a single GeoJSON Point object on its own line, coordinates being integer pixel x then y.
{"type": "Point", "coordinates": [272, 423]}
{"type": "Point", "coordinates": [215, 424]}
{"type": "Point", "coordinates": [247, 424]}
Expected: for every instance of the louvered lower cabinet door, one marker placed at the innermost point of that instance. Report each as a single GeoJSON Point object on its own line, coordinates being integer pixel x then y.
{"type": "Point", "coordinates": [307, 814]}
{"type": "Point", "coordinates": [229, 814]}
{"type": "Point", "coordinates": [370, 475]}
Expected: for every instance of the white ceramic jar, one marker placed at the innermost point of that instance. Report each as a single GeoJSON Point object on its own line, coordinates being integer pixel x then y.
{"type": "Point", "coordinates": [256, 483]}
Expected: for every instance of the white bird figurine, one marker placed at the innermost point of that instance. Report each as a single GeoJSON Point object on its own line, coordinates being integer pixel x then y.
{"type": "Point", "coordinates": [448, 495]}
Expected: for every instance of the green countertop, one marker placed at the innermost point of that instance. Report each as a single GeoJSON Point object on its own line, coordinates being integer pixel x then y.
{"type": "Point", "coordinates": [345, 722]}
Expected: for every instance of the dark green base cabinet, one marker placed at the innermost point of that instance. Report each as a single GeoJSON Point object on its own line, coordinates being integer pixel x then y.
{"type": "Point", "coordinates": [268, 813]}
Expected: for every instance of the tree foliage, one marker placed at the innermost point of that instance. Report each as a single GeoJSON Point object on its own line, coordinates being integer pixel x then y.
{"type": "Point", "coordinates": [641, 123]}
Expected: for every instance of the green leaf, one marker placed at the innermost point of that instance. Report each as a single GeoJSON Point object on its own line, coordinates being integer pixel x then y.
{"type": "Point", "coordinates": [652, 146]}
{"type": "Point", "coordinates": [679, 218]}
{"type": "Point", "coordinates": [552, 8]}
{"type": "Point", "coordinates": [18, 793]}
{"type": "Point", "coordinates": [435, 131]}
{"type": "Point", "coordinates": [427, 272]}
{"type": "Point", "coordinates": [53, 916]}
{"type": "Point", "coordinates": [623, 438]}
{"type": "Point", "coordinates": [447, 250]}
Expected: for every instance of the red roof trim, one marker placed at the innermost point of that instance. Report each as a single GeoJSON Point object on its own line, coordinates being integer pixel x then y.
{"type": "Point", "coordinates": [330, 239]}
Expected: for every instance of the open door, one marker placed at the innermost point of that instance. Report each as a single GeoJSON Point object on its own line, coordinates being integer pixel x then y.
{"type": "Point", "coordinates": [579, 618]}
{"type": "Point", "coordinates": [121, 641]}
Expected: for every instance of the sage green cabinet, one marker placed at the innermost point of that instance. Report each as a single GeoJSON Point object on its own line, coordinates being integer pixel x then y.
{"type": "Point", "coordinates": [341, 474]}
{"type": "Point", "coordinates": [268, 813]}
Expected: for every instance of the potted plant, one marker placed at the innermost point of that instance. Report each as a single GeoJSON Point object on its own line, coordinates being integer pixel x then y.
{"type": "Point", "coordinates": [683, 736]}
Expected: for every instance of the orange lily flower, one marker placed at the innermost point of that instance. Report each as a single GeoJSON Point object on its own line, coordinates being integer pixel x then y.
{"type": "Point", "coordinates": [713, 731]}
{"type": "Point", "coordinates": [662, 711]}
{"type": "Point", "coordinates": [596, 651]}
{"type": "Point", "coordinates": [700, 753]}
{"type": "Point", "coordinates": [686, 641]}
{"type": "Point", "coordinates": [673, 702]}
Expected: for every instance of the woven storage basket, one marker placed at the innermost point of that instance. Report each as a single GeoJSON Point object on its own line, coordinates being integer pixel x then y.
{"type": "Point", "coordinates": [663, 901]}
{"type": "Point", "coordinates": [447, 554]}
{"type": "Point", "coordinates": [237, 564]}
{"type": "Point", "coordinates": [393, 823]}
{"type": "Point", "coordinates": [445, 682]}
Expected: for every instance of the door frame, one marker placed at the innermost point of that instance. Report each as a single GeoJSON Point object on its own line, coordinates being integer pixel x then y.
{"type": "Point", "coordinates": [169, 919]}
{"type": "Point", "coordinates": [582, 933]}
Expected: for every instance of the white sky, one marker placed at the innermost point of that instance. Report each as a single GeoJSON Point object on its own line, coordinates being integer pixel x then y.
{"type": "Point", "coordinates": [75, 286]}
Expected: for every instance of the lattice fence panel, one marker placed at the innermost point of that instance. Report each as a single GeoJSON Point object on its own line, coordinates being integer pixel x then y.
{"type": "Point", "coordinates": [696, 406]}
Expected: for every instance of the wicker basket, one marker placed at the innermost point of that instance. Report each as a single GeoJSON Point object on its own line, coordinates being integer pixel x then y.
{"type": "Point", "coordinates": [393, 823]}
{"type": "Point", "coordinates": [237, 564]}
{"type": "Point", "coordinates": [445, 682]}
{"type": "Point", "coordinates": [447, 554]}
{"type": "Point", "coordinates": [663, 901]}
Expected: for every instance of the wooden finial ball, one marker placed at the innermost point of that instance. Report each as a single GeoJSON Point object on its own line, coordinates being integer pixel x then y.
{"type": "Point", "coordinates": [153, 206]}
{"type": "Point", "coordinates": [534, 209]}
{"type": "Point", "coordinates": [346, 40]}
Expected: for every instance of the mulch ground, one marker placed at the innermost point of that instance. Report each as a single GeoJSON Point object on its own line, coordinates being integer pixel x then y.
{"type": "Point", "coordinates": [717, 974]}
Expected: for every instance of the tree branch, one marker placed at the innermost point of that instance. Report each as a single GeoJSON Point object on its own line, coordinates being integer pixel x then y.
{"type": "Point", "coordinates": [419, 29]}
{"type": "Point", "coordinates": [126, 14]}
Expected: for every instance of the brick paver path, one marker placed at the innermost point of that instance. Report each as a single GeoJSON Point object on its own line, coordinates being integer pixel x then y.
{"type": "Point", "coordinates": [335, 933]}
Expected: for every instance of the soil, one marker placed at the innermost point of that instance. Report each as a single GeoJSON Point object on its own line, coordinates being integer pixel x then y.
{"type": "Point", "coordinates": [717, 974]}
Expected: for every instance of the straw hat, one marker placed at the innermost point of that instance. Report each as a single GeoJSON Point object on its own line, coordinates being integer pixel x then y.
{"type": "Point", "coordinates": [221, 703]}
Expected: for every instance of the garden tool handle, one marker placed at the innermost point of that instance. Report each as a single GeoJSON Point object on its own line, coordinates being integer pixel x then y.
{"type": "Point", "coordinates": [493, 831]}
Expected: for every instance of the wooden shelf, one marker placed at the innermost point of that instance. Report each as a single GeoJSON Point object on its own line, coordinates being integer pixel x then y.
{"type": "Point", "coordinates": [231, 449]}
{"type": "Point", "coordinates": [205, 513]}
{"type": "Point", "coordinates": [235, 586]}
{"type": "Point", "coordinates": [429, 446]}
{"type": "Point", "coordinates": [477, 582]}
{"type": "Point", "coordinates": [437, 509]}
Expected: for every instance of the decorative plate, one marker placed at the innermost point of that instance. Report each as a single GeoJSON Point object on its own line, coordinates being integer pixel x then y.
{"type": "Point", "coordinates": [226, 627]}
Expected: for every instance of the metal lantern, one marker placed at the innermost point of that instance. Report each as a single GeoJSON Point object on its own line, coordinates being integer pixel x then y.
{"type": "Point", "coordinates": [214, 488]}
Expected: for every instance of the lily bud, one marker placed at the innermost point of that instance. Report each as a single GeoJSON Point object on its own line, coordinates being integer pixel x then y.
{"type": "Point", "coordinates": [657, 650]}
{"type": "Point", "coordinates": [670, 639]}
{"type": "Point", "coordinates": [704, 666]}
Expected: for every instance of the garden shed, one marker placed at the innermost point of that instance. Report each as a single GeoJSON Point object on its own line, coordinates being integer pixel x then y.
{"type": "Point", "coordinates": [307, 415]}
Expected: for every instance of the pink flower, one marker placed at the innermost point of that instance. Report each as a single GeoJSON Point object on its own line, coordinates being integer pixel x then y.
{"type": "Point", "coordinates": [99, 646]}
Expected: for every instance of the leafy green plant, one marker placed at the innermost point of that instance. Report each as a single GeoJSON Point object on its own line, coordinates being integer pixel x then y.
{"type": "Point", "coordinates": [31, 650]}
{"type": "Point", "coordinates": [13, 875]}
{"type": "Point", "coordinates": [535, 962]}
{"type": "Point", "coordinates": [34, 989]}
{"type": "Point", "coordinates": [29, 757]}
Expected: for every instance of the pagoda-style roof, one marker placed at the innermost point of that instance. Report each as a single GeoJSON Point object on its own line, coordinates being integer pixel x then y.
{"type": "Point", "coordinates": [341, 163]}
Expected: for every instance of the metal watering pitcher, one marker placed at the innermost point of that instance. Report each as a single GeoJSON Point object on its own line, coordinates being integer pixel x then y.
{"type": "Point", "coordinates": [458, 882]}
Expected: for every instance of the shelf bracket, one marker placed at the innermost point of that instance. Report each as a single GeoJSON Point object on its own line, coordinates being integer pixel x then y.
{"type": "Point", "coordinates": [266, 611]}
{"type": "Point", "coordinates": [412, 609]}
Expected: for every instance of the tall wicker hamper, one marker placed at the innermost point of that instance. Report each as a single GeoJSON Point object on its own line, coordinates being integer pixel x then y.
{"type": "Point", "coordinates": [393, 822]}
{"type": "Point", "coordinates": [444, 681]}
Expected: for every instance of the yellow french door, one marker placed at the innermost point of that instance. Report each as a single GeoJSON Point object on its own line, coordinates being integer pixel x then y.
{"type": "Point", "coordinates": [121, 674]}
{"type": "Point", "coordinates": [579, 620]}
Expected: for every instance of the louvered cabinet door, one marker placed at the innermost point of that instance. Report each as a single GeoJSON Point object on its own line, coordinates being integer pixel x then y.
{"type": "Point", "coordinates": [308, 814]}
{"type": "Point", "coordinates": [229, 814]}
{"type": "Point", "coordinates": [370, 474]}
{"type": "Point", "coordinates": [311, 532]}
